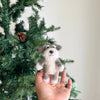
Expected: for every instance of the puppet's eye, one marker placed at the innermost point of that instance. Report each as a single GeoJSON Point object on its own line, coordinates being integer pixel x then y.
{"type": "Point", "coordinates": [47, 46]}
{"type": "Point", "coordinates": [53, 46]}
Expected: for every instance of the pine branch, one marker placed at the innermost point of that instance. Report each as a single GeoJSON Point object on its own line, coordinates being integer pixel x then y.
{"type": "Point", "coordinates": [17, 72]}
{"type": "Point", "coordinates": [73, 80]}
{"type": "Point", "coordinates": [0, 11]}
{"type": "Point", "coordinates": [16, 9]}
{"type": "Point", "coordinates": [33, 26]}
{"type": "Point", "coordinates": [1, 35]}
{"type": "Point", "coordinates": [52, 28]}
{"type": "Point", "coordinates": [66, 61]}
{"type": "Point", "coordinates": [38, 5]}
{"type": "Point", "coordinates": [30, 2]}
{"type": "Point", "coordinates": [20, 27]}
{"type": "Point", "coordinates": [1, 23]}
{"type": "Point", "coordinates": [5, 16]}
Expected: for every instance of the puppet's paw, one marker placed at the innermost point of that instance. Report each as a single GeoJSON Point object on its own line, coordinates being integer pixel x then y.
{"type": "Point", "coordinates": [54, 81]}
{"type": "Point", "coordinates": [46, 80]}
{"type": "Point", "coordinates": [38, 66]}
{"type": "Point", "coordinates": [61, 68]}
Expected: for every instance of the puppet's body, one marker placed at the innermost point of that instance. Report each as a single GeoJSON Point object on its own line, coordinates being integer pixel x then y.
{"type": "Point", "coordinates": [50, 66]}
{"type": "Point", "coordinates": [51, 62]}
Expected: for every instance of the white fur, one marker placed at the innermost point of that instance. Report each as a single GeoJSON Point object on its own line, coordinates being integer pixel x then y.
{"type": "Point", "coordinates": [38, 66]}
{"type": "Point", "coordinates": [46, 80]}
{"type": "Point", "coordinates": [54, 81]}
{"type": "Point", "coordinates": [50, 60]}
{"type": "Point", "coordinates": [47, 55]}
{"type": "Point", "coordinates": [50, 66]}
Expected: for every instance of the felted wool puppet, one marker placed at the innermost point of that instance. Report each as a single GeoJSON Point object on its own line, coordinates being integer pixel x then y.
{"type": "Point", "coordinates": [51, 62]}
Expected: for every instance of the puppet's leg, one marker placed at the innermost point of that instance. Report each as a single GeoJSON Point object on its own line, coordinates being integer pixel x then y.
{"type": "Point", "coordinates": [46, 77]}
{"type": "Point", "coordinates": [54, 78]}
{"type": "Point", "coordinates": [61, 68]}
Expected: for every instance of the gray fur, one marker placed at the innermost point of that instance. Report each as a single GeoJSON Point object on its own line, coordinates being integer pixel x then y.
{"type": "Point", "coordinates": [46, 76]}
{"type": "Point", "coordinates": [58, 47]}
{"type": "Point", "coordinates": [42, 62]}
{"type": "Point", "coordinates": [41, 49]}
{"type": "Point", "coordinates": [54, 77]}
{"type": "Point", "coordinates": [58, 63]}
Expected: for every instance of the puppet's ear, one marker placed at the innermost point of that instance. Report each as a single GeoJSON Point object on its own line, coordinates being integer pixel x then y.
{"type": "Point", "coordinates": [58, 47]}
{"type": "Point", "coordinates": [41, 49]}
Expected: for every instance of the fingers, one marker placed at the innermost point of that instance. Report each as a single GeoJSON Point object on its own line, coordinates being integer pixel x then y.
{"type": "Point", "coordinates": [69, 84]}
{"type": "Point", "coordinates": [39, 77]}
{"type": "Point", "coordinates": [57, 75]}
{"type": "Point", "coordinates": [63, 81]}
{"type": "Point", "coordinates": [68, 89]}
{"type": "Point", "coordinates": [63, 78]}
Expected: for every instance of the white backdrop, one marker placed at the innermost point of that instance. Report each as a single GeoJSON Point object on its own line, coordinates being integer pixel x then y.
{"type": "Point", "coordinates": [80, 38]}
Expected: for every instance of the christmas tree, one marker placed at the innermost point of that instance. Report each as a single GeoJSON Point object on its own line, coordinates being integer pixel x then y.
{"type": "Point", "coordinates": [19, 50]}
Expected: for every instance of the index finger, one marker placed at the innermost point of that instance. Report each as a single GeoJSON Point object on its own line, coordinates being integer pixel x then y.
{"type": "Point", "coordinates": [63, 78]}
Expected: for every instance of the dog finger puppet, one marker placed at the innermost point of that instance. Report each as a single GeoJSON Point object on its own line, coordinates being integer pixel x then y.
{"type": "Point", "coordinates": [51, 62]}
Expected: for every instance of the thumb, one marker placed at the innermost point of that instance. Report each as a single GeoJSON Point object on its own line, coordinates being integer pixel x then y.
{"type": "Point", "coordinates": [39, 77]}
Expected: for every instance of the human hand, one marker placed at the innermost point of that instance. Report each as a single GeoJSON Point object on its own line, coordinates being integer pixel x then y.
{"type": "Point", "coordinates": [48, 91]}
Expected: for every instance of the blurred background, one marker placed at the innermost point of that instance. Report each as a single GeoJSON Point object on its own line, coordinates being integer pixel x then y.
{"type": "Point", "coordinates": [80, 38]}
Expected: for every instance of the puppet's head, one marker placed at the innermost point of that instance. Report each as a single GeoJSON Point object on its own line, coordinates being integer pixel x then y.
{"type": "Point", "coordinates": [50, 51]}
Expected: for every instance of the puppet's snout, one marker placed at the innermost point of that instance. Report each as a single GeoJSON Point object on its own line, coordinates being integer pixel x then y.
{"type": "Point", "coordinates": [51, 51]}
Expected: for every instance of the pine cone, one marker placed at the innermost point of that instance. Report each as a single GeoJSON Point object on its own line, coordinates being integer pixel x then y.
{"type": "Point", "coordinates": [0, 51]}
{"type": "Point", "coordinates": [21, 36]}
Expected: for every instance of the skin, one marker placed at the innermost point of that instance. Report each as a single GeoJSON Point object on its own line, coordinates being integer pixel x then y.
{"type": "Point", "coordinates": [49, 91]}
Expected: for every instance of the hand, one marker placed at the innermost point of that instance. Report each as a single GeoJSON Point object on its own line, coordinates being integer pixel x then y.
{"type": "Point", "coordinates": [48, 91]}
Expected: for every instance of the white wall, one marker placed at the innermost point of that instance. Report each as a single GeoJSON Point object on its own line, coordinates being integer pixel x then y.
{"type": "Point", "coordinates": [80, 38]}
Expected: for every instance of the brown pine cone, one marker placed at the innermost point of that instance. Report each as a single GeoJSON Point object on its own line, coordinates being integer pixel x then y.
{"type": "Point", "coordinates": [21, 36]}
{"type": "Point", "coordinates": [0, 51]}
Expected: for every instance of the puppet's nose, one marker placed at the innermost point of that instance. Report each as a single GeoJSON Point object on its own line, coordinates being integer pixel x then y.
{"type": "Point", "coordinates": [51, 51]}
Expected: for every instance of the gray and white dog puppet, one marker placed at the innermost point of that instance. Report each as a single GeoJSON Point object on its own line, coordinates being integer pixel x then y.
{"type": "Point", "coordinates": [51, 62]}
